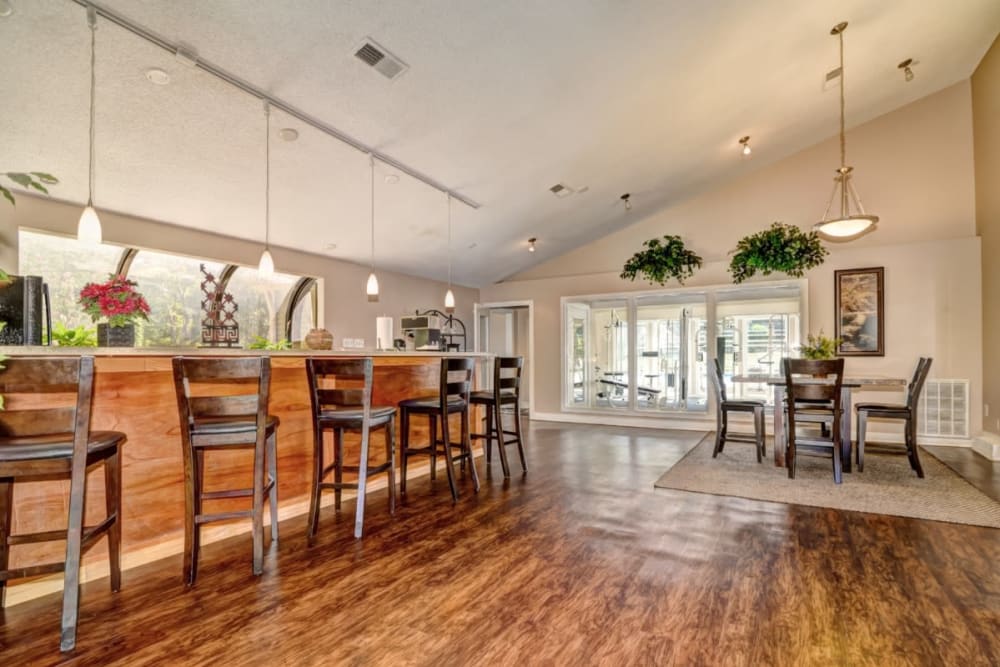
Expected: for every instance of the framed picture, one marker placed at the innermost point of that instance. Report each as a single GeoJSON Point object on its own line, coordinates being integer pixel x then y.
{"type": "Point", "coordinates": [859, 319]}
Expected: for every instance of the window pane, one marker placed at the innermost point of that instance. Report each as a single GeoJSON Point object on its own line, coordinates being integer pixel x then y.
{"type": "Point", "coordinates": [302, 316]}
{"type": "Point", "coordinates": [670, 361]}
{"type": "Point", "coordinates": [610, 334]}
{"type": "Point", "coordinates": [172, 286]}
{"type": "Point", "coordinates": [66, 265]}
{"type": "Point", "coordinates": [259, 300]}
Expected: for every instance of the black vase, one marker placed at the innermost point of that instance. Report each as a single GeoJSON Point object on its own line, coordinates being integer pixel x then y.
{"type": "Point", "coordinates": [109, 336]}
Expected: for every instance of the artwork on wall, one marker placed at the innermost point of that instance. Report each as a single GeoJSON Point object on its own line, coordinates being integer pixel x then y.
{"type": "Point", "coordinates": [859, 317]}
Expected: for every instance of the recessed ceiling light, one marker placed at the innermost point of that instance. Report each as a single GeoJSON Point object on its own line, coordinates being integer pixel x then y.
{"type": "Point", "coordinates": [5, 9]}
{"type": "Point", "coordinates": [288, 133]}
{"type": "Point", "coordinates": [391, 179]}
{"type": "Point", "coordinates": [907, 69]}
{"type": "Point", "coordinates": [157, 76]}
{"type": "Point", "coordinates": [531, 244]}
{"type": "Point", "coordinates": [627, 198]}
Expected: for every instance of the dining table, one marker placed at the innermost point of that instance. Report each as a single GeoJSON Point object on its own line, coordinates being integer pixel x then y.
{"type": "Point", "coordinates": [848, 385]}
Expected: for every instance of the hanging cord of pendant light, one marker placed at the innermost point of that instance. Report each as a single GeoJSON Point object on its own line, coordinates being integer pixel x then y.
{"type": "Point", "coordinates": [371, 289]}
{"type": "Point", "coordinates": [449, 297]}
{"type": "Point", "coordinates": [89, 228]}
{"type": "Point", "coordinates": [266, 266]}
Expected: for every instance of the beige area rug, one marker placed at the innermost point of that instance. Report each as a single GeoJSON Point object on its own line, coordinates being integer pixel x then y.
{"type": "Point", "coordinates": [887, 486]}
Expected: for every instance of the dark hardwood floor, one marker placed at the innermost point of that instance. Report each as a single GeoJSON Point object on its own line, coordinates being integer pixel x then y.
{"type": "Point", "coordinates": [579, 562]}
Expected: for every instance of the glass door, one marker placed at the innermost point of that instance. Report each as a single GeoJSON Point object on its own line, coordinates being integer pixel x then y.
{"type": "Point", "coordinates": [670, 353]}
{"type": "Point", "coordinates": [578, 390]}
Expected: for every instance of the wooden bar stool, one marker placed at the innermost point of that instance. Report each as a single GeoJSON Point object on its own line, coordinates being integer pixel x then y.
{"type": "Point", "coordinates": [453, 397]}
{"type": "Point", "coordinates": [44, 434]}
{"type": "Point", "coordinates": [213, 422]}
{"type": "Point", "coordinates": [506, 391]}
{"type": "Point", "coordinates": [906, 412]}
{"type": "Point", "coordinates": [343, 409]}
{"type": "Point", "coordinates": [723, 406]}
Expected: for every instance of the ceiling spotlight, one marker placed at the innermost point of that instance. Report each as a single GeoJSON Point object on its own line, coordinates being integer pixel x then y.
{"type": "Point", "coordinates": [531, 244]}
{"type": "Point", "coordinates": [905, 66]}
{"type": "Point", "coordinates": [391, 179]}
{"type": "Point", "coordinates": [628, 201]}
{"type": "Point", "coordinates": [745, 143]}
{"type": "Point", "coordinates": [157, 76]}
{"type": "Point", "coordinates": [288, 133]}
{"type": "Point", "coordinates": [5, 9]}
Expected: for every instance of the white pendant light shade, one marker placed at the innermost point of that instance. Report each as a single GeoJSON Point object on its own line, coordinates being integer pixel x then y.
{"type": "Point", "coordinates": [89, 228]}
{"type": "Point", "coordinates": [265, 268]}
{"type": "Point", "coordinates": [371, 289]}
{"type": "Point", "coordinates": [846, 228]}
{"type": "Point", "coordinates": [449, 302]}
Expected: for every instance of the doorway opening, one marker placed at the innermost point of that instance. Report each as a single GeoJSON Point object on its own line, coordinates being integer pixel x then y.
{"type": "Point", "coordinates": [506, 330]}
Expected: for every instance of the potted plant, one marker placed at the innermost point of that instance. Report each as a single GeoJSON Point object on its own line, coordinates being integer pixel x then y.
{"type": "Point", "coordinates": [661, 261]}
{"type": "Point", "coordinates": [819, 347]}
{"type": "Point", "coordinates": [781, 247]}
{"type": "Point", "coordinates": [118, 301]}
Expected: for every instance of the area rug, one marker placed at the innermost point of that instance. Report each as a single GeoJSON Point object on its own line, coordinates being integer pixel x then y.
{"type": "Point", "coordinates": [887, 486]}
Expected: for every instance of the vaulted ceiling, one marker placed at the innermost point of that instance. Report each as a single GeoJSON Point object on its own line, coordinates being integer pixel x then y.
{"type": "Point", "coordinates": [501, 101]}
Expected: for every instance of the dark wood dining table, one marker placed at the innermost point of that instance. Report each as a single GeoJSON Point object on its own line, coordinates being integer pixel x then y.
{"type": "Point", "coordinates": [848, 385]}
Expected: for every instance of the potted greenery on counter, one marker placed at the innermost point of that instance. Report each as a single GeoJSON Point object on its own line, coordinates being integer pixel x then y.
{"type": "Point", "coordinates": [782, 248]}
{"type": "Point", "coordinates": [661, 261]}
{"type": "Point", "coordinates": [819, 347]}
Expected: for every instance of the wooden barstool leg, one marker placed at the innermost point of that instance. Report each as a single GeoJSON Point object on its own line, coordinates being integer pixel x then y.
{"type": "Point", "coordinates": [911, 446]}
{"type": "Point", "coordinates": [317, 479]}
{"type": "Point", "coordinates": [74, 543]}
{"type": "Point", "coordinates": [445, 428]}
{"type": "Point", "coordinates": [6, 515]}
{"type": "Point", "coordinates": [404, 447]}
{"type": "Point", "coordinates": [837, 463]}
{"type": "Point", "coordinates": [433, 434]}
{"type": "Point", "coordinates": [488, 430]}
{"type": "Point", "coordinates": [501, 440]}
{"type": "Point", "coordinates": [257, 509]}
{"type": "Point", "coordinates": [520, 436]}
{"type": "Point", "coordinates": [272, 468]}
{"type": "Point", "coordinates": [193, 466]}
{"type": "Point", "coordinates": [359, 511]}
{"type": "Point", "coordinates": [390, 455]}
{"type": "Point", "coordinates": [859, 454]}
{"type": "Point", "coordinates": [467, 446]}
{"type": "Point", "coordinates": [113, 505]}
{"type": "Point", "coordinates": [338, 465]}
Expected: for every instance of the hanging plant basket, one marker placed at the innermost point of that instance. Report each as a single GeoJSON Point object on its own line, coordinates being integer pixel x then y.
{"type": "Point", "coordinates": [780, 248]}
{"type": "Point", "coordinates": [661, 261]}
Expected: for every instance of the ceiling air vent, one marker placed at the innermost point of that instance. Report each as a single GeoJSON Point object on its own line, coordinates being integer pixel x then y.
{"type": "Point", "coordinates": [380, 59]}
{"type": "Point", "coordinates": [561, 190]}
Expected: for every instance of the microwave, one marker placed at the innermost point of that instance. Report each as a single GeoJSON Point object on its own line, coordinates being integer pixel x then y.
{"type": "Point", "coordinates": [24, 306]}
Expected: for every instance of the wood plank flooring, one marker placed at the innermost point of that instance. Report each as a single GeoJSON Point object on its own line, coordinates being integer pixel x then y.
{"type": "Point", "coordinates": [579, 562]}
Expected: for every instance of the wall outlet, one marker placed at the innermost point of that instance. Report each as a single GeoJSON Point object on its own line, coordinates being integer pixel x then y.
{"type": "Point", "coordinates": [353, 342]}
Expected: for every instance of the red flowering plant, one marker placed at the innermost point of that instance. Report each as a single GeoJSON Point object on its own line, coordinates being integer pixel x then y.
{"type": "Point", "coordinates": [117, 300]}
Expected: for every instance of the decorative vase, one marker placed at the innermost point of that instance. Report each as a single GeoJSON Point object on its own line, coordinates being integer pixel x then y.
{"type": "Point", "coordinates": [109, 336]}
{"type": "Point", "coordinates": [319, 339]}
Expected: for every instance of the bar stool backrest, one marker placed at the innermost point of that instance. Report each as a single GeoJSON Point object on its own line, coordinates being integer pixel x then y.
{"type": "Point", "coordinates": [507, 376]}
{"type": "Point", "coordinates": [456, 380]}
{"type": "Point", "coordinates": [814, 380]}
{"type": "Point", "coordinates": [233, 388]}
{"type": "Point", "coordinates": [66, 385]}
{"type": "Point", "coordinates": [917, 383]}
{"type": "Point", "coordinates": [340, 384]}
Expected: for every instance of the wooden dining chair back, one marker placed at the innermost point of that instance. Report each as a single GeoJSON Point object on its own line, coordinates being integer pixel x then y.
{"type": "Point", "coordinates": [813, 396]}
{"type": "Point", "coordinates": [340, 392]}
{"type": "Point", "coordinates": [454, 388]}
{"type": "Point", "coordinates": [724, 406]}
{"type": "Point", "coordinates": [222, 404]}
{"type": "Point", "coordinates": [906, 412]}
{"type": "Point", "coordinates": [507, 373]}
{"type": "Point", "coordinates": [45, 433]}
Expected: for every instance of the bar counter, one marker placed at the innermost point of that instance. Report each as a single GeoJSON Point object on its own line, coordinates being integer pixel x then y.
{"type": "Point", "coordinates": [134, 393]}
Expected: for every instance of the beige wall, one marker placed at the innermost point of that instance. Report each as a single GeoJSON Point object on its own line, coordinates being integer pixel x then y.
{"type": "Point", "coordinates": [986, 129]}
{"type": "Point", "coordinates": [347, 312]}
{"type": "Point", "coordinates": [926, 242]}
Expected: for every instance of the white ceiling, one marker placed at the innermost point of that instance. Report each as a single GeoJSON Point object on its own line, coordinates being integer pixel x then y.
{"type": "Point", "coordinates": [501, 101]}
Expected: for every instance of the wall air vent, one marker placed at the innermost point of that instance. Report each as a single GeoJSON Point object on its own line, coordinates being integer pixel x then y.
{"type": "Point", "coordinates": [561, 190]}
{"type": "Point", "coordinates": [380, 59]}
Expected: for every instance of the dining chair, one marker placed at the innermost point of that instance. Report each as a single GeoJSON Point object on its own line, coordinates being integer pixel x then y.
{"type": "Point", "coordinates": [222, 404]}
{"type": "Point", "coordinates": [812, 395]}
{"type": "Point", "coordinates": [906, 412]}
{"type": "Point", "coordinates": [340, 391]}
{"type": "Point", "coordinates": [45, 434]}
{"type": "Point", "coordinates": [723, 406]}
{"type": "Point", "coordinates": [506, 391]}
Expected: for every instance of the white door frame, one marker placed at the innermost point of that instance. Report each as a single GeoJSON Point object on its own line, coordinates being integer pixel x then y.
{"type": "Point", "coordinates": [530, 304]}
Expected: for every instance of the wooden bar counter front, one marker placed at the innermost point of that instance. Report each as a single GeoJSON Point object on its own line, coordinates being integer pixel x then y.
{"type": "Point", "coordinates": [134, 393]}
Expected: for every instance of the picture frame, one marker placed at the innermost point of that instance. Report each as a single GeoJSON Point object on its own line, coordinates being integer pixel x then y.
{"type": "Point", "coordinates": [859, 312]}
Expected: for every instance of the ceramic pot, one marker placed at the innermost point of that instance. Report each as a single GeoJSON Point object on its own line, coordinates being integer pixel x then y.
{"type": "Point", "coordinates": [109, 336]}
{"type": "Point", "coordinates": [318, 339]}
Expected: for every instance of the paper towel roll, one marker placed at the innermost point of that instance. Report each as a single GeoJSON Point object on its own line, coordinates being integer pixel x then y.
{"type": "Point", "coordinates": [383, 333]}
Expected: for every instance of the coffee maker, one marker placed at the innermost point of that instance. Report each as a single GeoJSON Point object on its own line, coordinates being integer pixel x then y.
{"type": "Point", "coordinates": [24, 302]}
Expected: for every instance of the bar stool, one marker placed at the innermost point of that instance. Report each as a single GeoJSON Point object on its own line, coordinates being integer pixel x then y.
{"type": "Point", "coordinates": [453, 397]}
{"type": "Point", "coordinates": [46, 434]}
{"type": "Point", "coordinates": [506, 391]}
{"type": "Point", "coordinates": [343, 409]}
{"type": "Point", "coordinates": [723, 406]}
{"type": "Point", "coordinates": [214, 422]}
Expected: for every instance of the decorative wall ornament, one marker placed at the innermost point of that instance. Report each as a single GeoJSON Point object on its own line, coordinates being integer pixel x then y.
{"type": "Point", "coordinates": [219, 327]}
{"type": "Point", "coordinates": [859, 320]}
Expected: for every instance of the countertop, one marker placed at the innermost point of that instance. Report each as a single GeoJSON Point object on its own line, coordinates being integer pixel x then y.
{"type": "Point", "coordinates": [42, 350]}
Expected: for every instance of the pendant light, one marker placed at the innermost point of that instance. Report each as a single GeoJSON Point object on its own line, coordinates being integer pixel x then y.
{"type": "Point", "coordinates": [265, 268]}
{"type": "Point", "coordinates": [846, 226]}
{"type": "Point", "coordinates": [371, 289]}
{"type": "Point", "coordinates": [449, 297]}
{"type": "Point", "coordinates": [88, 230]}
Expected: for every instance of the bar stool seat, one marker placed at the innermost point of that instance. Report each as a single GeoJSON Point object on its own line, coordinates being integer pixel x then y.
{"type": "Point", "coordinates": [379, 415]}
{"type": "Point", "coordinates": [58, 446]}
{"type": "Point", "coordinates": [429, 405]}
{"type": "Point", "coordinates": [506, 391]}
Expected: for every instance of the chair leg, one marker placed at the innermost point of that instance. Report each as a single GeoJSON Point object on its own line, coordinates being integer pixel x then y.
{"type": "Point", "coordinates": [257, 509]}
{"type": "Point", "coordinates": [488, 430]}
{"type": "Point", "coordinates": [390, 455]}
{"type": "Point", "coordinates": [838, 464]}
{"type": "Point", "coordinates": [6, 516]}
{"type": "Point", "coordinates": [763, 433]}
{"type": "Point", "coordinates": [723, 431]}
{"type": "Point", "coordinates": [74, 543]}
{"type": "Point", "coordinates": [193, 467]}
{"type": "Point", "coordinates": [911, 447]}
{"type": "Point", "coordinates": [758, 426]}
{"type": "Point", "coordinates": [113, 505]}
{"type": "Point", "coordinates": [790, 454]}
{"type": "Point", "coordinates": [432, 420]}
{"type": "Point", "coordinates": [467, 446]}
{"type": "Point", "coordinates": [501, 441]}
{"type": "Point", "coordinates": [445, 428]}
{"type": "Point", "coordinates": [518, 434]}
{"type": "Point", "coordinates": [272, 469]}
{"type": "Point", "coordinates": [317, 479]}
{"type": "Point", "coordinates": [859, 455]}
{"type": "Point", "coordinates": [718, 435]}
{"type": "Point", "coordinates": [359, 506]}
{"type": "Point", "coordinates": [338, 465]}
{"type": "Point", "coordinates": [404, 447]}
